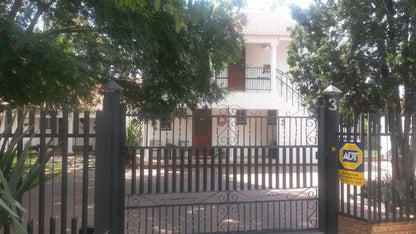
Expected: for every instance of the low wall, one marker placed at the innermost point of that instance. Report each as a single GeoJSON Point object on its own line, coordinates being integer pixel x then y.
{"type": "Point", "coordinates": [351, 225]}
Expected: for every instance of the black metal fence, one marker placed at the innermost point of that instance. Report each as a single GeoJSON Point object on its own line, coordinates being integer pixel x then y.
{"type": "Point", "coordinates": [196, 169]}
{"type": "Point", "coordinates": [62, 199]}
{"type": "Point", "coordinates": [389, 168]}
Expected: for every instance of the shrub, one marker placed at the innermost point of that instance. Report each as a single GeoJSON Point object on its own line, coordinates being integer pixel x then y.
{"type": "Point", "coordinates": [384, 190]}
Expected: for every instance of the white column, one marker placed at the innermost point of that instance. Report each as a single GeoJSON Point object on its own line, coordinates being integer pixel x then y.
{"type": "Point", "coordinates": [273, 47]}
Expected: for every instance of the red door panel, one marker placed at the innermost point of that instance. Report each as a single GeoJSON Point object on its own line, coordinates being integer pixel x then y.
{"type": "Point", "coordinates": [201, 128]}
{"type": "Point", "coordinates": [237, 74]}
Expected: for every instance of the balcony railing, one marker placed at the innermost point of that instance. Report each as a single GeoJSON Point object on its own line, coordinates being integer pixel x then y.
{"type": "Point", "coordinates": [249, 78]}
{"type": "Point", "coordinates": [287, 90]}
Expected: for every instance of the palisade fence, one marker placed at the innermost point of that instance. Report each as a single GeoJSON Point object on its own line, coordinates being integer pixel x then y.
{"type": "Point", "coordinates": [62, 199]}
{"type": "Point", "coordinates": [389, 193]}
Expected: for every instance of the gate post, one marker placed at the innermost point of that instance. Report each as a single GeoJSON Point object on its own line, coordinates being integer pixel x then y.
{"type": "Point", "coordinates": [328, 162]}
{"type": "Point", "coordinates": [109, 164]}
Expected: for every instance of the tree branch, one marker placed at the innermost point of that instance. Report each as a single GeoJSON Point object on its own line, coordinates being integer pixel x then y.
{"type": "Point", "coordinates": [34, 21]}
{"type": "Point", "coordinates": [76, 29]}
{"type": "Point", "coordinates": [15, 8]}
{"type": "Point", "coordinates": [41, 9]}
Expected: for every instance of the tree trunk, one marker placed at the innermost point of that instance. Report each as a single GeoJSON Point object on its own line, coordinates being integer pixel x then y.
{"type": "Point", "coordinates": [402, 153]}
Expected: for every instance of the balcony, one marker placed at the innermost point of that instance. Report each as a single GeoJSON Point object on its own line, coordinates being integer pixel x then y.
{"type": "Point", "coordinates": [245, 79]}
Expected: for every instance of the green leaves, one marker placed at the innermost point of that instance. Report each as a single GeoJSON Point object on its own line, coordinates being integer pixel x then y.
{"type": "Point", "coordinates": [362, 47]}
{"type": "Point", "coordinates": [36, 70]}
{"type": "Point", "coordinates": [162, 52]}
{"type": "Point", "coordinates": [134, 135]}
{"type": "Point", "coordinates": [176, 68]}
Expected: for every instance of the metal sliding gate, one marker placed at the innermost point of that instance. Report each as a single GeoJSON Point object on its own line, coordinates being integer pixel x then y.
{"type": "Point", "coordinates": [224, 170]}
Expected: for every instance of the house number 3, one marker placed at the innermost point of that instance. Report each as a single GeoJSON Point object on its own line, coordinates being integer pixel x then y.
{"type": "Point", "coordinates": [333, 105]}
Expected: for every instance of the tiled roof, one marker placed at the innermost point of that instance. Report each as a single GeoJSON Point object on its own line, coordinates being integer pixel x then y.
{"type": "Point", "coordinates": [267, 24]}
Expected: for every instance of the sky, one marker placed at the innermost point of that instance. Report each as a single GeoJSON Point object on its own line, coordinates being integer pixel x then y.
{"type": "Point", "coordinates": [282, 6]}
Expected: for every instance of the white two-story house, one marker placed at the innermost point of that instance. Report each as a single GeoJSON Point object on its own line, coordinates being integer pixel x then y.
{"type": "Point", "coordinates": [259, 92]}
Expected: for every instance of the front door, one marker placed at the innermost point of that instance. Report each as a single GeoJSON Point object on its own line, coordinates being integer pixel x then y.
{"type": "Point", "coordinates": [201, 128]}
{"type": "Point", "coordinates": [237, 74]}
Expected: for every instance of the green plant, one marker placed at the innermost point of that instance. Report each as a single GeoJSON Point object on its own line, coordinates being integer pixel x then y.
{"type": "Point", "coordinates": [134, 136]}
{"type": "Point", "coordinates": [14, 178]}
{"type": "Point", "coordinates": [389, 191]}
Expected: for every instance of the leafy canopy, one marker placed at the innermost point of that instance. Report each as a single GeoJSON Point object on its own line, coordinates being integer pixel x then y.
{"type": "Point", "coordinates": [163, 53]}
{"type": "Point", "coordinates": [365, 48]}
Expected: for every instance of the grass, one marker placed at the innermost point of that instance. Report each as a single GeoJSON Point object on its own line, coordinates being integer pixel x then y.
{"type": "Point", "coordinates": [54, 166]}
{"type": "Point", "coordinates": [52, 169]}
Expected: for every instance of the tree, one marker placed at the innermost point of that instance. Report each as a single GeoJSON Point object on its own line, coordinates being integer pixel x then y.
{"type": "Point", "coordinates": [163, 53]}
{"type": "Point", "coordinates": [367, 49]}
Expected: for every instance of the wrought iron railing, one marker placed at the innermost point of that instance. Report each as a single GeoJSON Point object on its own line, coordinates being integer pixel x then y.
{"type": "Point", "coordinates": [227, 128]}
{"type": "Point", "coordinates": [224, 212]}
{"type": "Point", "coordinates": [252, 78]}
{"type": "Point", "coordinates": [287, 90]}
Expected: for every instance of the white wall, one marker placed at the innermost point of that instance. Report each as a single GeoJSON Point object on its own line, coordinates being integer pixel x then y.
{"type": "Point", "coordinates": [281, 58]}
{"type": "Point", "coordinates": [262, 100]}
{"type": "Point", "coordinates": [257, 55]}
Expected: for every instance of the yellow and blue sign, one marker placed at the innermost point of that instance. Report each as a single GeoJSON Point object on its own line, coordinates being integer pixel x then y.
{"type": "Point", "coordinates": [351, 163]}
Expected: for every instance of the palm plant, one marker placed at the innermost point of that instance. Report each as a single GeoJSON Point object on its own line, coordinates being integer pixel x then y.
{"type": "Point", "coordinates": [134, 133]}
{"type": "Point", "coordinates": [134, 136]}
{"type": "Point", "coordinates": [14, 179]}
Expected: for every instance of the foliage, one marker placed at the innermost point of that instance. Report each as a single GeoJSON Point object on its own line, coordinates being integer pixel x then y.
{"type": "Point", "coordinates": [134, 135]}
{"type": "Point", "coordinates": [14, 178]}
{"type": "Point", "coordinates": [390, 192]}
{"type": "Point", "coordinates": [367, 49]}
{"type": "Point", "coordinates": [162, 53]}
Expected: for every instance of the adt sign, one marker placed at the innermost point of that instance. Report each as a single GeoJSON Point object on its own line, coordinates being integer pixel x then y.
{"type": "Point", "coordinates": [351, 167]}
{"type": "Point", "coordinates": [350, 156]}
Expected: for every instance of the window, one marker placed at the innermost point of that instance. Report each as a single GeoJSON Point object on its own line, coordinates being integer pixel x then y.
{"type": "Point", "coordinates": [241, 117]}
{"type": "Point", "coordinates": [165, 124]}
{"type": "Point", "coordinates": [271, 117]}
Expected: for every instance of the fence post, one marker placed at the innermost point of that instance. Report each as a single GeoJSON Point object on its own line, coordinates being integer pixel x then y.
{"type": "Point", "coordinates": [321, 169]}
{"type": "Point", "coordinates": [328, 162]}
{"type": "Point", "coordinates": [109, 164]}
